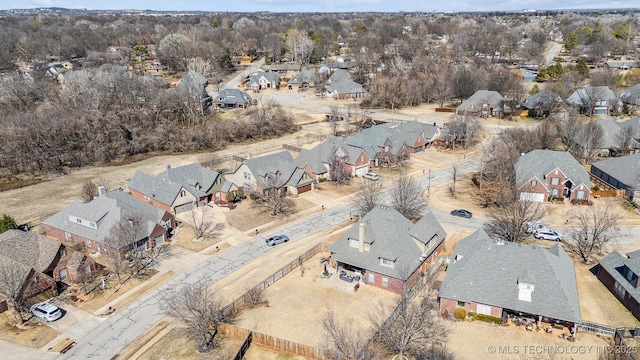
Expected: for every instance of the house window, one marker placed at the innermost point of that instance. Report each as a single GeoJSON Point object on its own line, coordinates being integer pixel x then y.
{"type": "Point", "coordinates": [89, 244]}
{"type": "Point", "coordinates": [353, 243]}
{"type": "Point", "coordinates": [385, 281]}
{"type": "Point", "coordinates": [92, 225]}
{"type": "Point", "coordinates": [63, 274]}
{"type": "Point", "coordinates": [386, 262]}
{"type": "Point", "coordinates": [372, 278]}
{"type": "Point", "coordinates": [629, 275]}
{"type": "Point", "coordinates": [87, 270]}
{"type": "Point", "coordinates": [460, 304]}
{"type": "Point", "coordinates": [386, 149]}
{"type": "Point", "coordinates": [617, 287]}
{"type": "Point", "coordinates": [67, 235]}
{"type": "Point", "coordinates": [79, 220]}
{"type": "Point", "coordinates": [183, 193]}
{"type": "Point", "coordinates": [247, 176]}
{"type": "Point", "coordinates": [581, 195]}
{"type": "Point", "coordinates": [63, 252]}
{"type": "Point", "coordinates": [534, 183]}
{"type": "Point", "coordinates": [555, 181]}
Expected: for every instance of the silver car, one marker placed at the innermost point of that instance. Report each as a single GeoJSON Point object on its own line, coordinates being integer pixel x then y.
{"type": "Point", "coordinates": [278, 239]}
{"type": "Point", "coordinates": [46, 311]}
{"type": "Point", "coordinates": [547, 235]}
{"type": "Point", "coordinates": [371, 176]}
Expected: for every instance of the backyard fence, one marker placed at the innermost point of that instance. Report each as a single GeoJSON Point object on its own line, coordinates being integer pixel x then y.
{"type": "Point", "coordinates": [237, 305]}
{"type": "Point", "coordinates": [244, 348]}
{"type": "Point", "coordinates": [272, 342]}
{"type": "Point", "coordinates": [598, 329]}
{"type": "Point", "coordinates": [609, 193]}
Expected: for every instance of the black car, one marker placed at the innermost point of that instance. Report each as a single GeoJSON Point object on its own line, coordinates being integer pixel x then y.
{"type": "Point", "coordinates": [462, 213]}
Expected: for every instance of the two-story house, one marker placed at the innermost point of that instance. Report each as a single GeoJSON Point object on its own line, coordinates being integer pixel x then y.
{"type": "Point", "coordinates": [382, 144]}
{"type": "Point", "coordinates": [387, 250]}
{"type": "Point", "coordinates": [263, 80]}
{"type": "Point", "coordinates": [542, 174]}
{"type": "Point", "coordinates": [317, 161]}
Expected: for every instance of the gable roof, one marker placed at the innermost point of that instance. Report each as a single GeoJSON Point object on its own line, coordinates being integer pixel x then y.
{"type": "Point", "coordinates": [487, 272]}
{"type": "Point", "coordinates": [631, 95]}
{"type": "Point", "coordinates": [28, 248]}
{"type": "Point", "coordinates": [104, 212]}
{"type": "Point", "coordinates": [611, 129]}
{"type": "Point", "coordinates": [268, 75]}
{"type": "Point", "coordinates": [599, 94]}
{"type": "Point", "coordinates": [340, 82]}
{"type": "Point", "coordinates": [614, 264]}
{"type": "Point", "coordinates": [166, 186]}
{"type": "Point", "coordinates": [305, 76]}
{"type": "Point", "coordinates": [232, 97]}
{"type": "Point", "coordinates": [635, 125]}
{"type": "Point", "coordinates": [539, 163]}
{"type": "Point", "coordinates": [319, 155]}
{"type": "Point", "coordinates": [279, 166]}
{"type": "Point", "coordinates": [373, 138]}
{"type": "Point", "coordinates": [492, 97]}
{"type": "Point", "coordinates": [625, 169]}
{"type": "Point", "coordinates": [546, 99]}
{"type": "Point", "coordinates": [388, 234]}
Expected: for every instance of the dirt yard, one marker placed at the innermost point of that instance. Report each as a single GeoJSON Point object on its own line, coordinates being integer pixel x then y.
{"type": "Point", "coordinates": [175, 345]}
{"type": "Point", "coordinates": [297, 303]}
{"type": "Point", "coordinates": [498, 343]}
{"type": "Point", "coordinates": [35, 335]}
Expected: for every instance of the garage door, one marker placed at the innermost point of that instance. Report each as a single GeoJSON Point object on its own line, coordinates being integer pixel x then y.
{"type": "Point", "coordinates": [484, 309]}
{"type": "Point", "coordinates": [184, 207]}
{"type": "Point", "coordinates": [532, 197]}
{"type": "Point", "coordinates": [362, 170]}
{"type": "Point", "coordinates": [304, 188]}
{"type": "Point", "coordinates": [418, 149]}
{"type": "Point", "coordinates": [158, 240]}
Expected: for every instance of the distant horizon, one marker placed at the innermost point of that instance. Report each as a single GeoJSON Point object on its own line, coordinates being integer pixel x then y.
{"type": "Point", "coordinates": [327, 6]}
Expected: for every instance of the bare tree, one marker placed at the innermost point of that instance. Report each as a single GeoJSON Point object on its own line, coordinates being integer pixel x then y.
{"type": "Point", "coordinates": [570, 131]}
{"type": "Point", "coordinates": [406, 196]}
{"type": "Point", "coordinates": [592, 137]}
{"type": "Point", "coordinates": [200, 310]}
{"type": "Point", "coordinates": [462, 129]}
{"type": "Point", "coordinates": [334, 116]}
{"type": "Point", "coordinates": [203, 223]}
{"type": "Point", "coordinates": [509, 222]}
{"type": "Point", "coordinates": [624, 138]}
{"type": "Point", "coordinates": [274, 197]}
{"type": "Point", "coordinates": [454, 178]}
{"type": "Point", "coordinates": [369, 196]}
{"type": "Point", "coordinates": [345, 341]}
{"type": "Point", "coordinates": [590, 228]}
{"type": "Point", "coordinates": [212, 161]}
{"type": "Point", "coordinates": [13, 276]}
{"type": "Point", "coordinates": [338, 166]}
{"type": "Point", "coordinates": [416, 326]}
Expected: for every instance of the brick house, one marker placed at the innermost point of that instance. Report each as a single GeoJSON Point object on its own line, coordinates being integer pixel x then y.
{"type": "Point", "coordinates": [316, 161]}
{"type": "Point", "coordinates": [620, 274]}
{"type": "Point", "coordinates": [483, 103]}
{"type": "Point", "coordinates": [263, 80]}
{"type": "Point", "coordinates": [387, 250]}
{"type": "Point", "coordinates": [88, 225]}
{"type": "Point", "coordinates": [541, 174]}
{"type": "Point", "coordinates": [383, 146]}
{"type": "Point", "coordinates": [500, 279]}
{"type": "Point", "coordinates": [179, 189]}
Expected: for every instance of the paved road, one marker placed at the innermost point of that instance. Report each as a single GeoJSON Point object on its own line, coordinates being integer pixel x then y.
{"type": "Point", "coordinates": [555, 49]}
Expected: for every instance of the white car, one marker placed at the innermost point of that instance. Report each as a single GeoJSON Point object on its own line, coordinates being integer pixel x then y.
{"type": "Point", "coordinates": [46, 311]}
{"type": "Point", "coordinates": [547, 235]}
{"type": "Point", "coordinates": [535, 226]}
{"type": "Point", "coordinates": [371, 176]}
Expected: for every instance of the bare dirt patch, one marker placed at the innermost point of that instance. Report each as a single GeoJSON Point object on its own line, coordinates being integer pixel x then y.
{"type": "Point", "coordinates": [35, 334]}
{"type": "Point", "coordinates": [184, 238]}
{"type": "Point", "coordinates": [260, 216]}
{"type": "Point", "coordinates": [478, 340]}
{"type": "Point", "coordinates": [297, 303]}
{"type": "Point", "coordinates": [175, 345]}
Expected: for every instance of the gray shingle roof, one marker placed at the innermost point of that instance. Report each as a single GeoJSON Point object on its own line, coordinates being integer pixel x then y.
{"type": "Point", "coordinates": [492, 97]}
{"type": "Point", "coordinates": [232, 97]}
{"type": "Point", "coordinates": [340, 82]}
{"type": "Point", "coordinates": [599, 93]}
{"type": "Point", "coordinates": [631, 95]}
{"type": "Point", "coordinates": [373, 138]}
{"type": "Point", "coordinates": [635, 125]}
{"type": "Point", "coordinates": [539, 163]}
{"type": "Point", "coordinates": [166, 186]}
{"type": "Point", "coordinates": [264, 166]}
{"type": "Point", "coordinates": [625, 169]}
{"type": "Point", "coordinates": [611, 130]}
{"type": "Point", "coordinates": [488, 273]}
{"type": "Point", "coordinates": [28, 248]}
{"type": "Point", "coordinates": [389, 236]}
{"type": "Point", "coordinates": [614, 262]}
{"type": "Point", "coordinates": [305, 76]}
{"type": "Point", "coordinates": [319, 155]}
{"type": "Point", "coordinates": [113, 207]}
{"type": "Point", "coordinates": [545, 99]}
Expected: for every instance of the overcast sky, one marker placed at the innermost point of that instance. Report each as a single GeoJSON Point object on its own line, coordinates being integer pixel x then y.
{"type": "Point", "coordinates": [324, 5]}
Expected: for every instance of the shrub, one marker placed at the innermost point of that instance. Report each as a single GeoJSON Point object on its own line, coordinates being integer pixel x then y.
{"type": "Point", "coordinates": [556, 198]}
{"type": "Point", "coordinates": [460, 313]}
{"type": "Point", "coordinates": [595, 188]}
{"type": "Point", "coordinates": [322, 180]}
{"type": "Point", "coordinates": [485, 318]}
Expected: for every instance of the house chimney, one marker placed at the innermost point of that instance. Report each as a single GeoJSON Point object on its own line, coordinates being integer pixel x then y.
{"type": "Point", "coordinates": [361, 238]}
{"type": "Point", "coordinates": [101, 190]}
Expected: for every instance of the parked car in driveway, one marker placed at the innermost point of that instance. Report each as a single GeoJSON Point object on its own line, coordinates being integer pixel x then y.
{"type": "Point", "coordinates": [46, 311]}
{"type": "Point", "coordinates": [462, 213]}
{"type": "Point", "coordinates": [547, 235]}
{"type": "Point", "coordinates": [371, 176]}
{"type": "Point", "coordinates": [535, 226]}
{"type": "Point", "coordinates": [278, 239]}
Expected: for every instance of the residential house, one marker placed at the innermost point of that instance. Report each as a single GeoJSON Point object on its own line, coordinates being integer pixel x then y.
{"type": "Point", "coordinates": [544, 104]}
{"type": "Point", "coordinates": [303, 79]}
{"type": "Point", "coordinates": [263, 80]}
{"type": "Point", "coordinates": [595, 100]}
{"type": "Point", "coordinates": [284, 71]}
{"type": "Point", "coordinates": [621, 173]}
{"type": "Point", "coordinates": [272, 171]}
{"type": "Point", "coordinates": [612, 131]}
{"type": "Point", "coordinates": [620, 274]}
{"type": "Point", "coordinates": [317, 161]}
{"type": "Point", "coordinates": [622, 64]}
{"type": "Point", "coordinates": [389, 251]}
{"type": "Point", "coordinates": [484, 103]}
{"type": "Point", "coordinates": [542, 174]}
{"type": "Point", "coordinates": [631, 98]}
{"type": "Point", "coordinates": [341, 86]}
{"type": "Point", "coordinates": [416, 135]}
{"type": "Point", "coordinates": [88, 225]}
{"type": "Point", "coordinates": [382, 145]}
{"type": "Point", "coordinates": [634, 123]}
{"type": "Point", "coordinates": [231, 99]}
{"type": "Point", "coordinates": [499, 279]}
{"type": "Point", "coordinates": [179, 189]}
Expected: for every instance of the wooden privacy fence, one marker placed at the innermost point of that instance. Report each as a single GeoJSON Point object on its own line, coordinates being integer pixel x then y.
{"type": "Point", "coordinates": [272, 342]}
{"type": "Point", "coordinates": [237, 305]}
{"type": "Point", "coordinates": [609, 193]}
